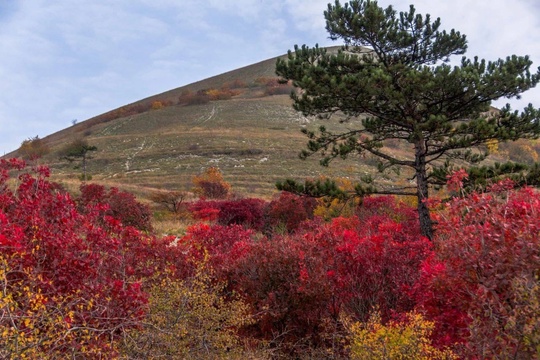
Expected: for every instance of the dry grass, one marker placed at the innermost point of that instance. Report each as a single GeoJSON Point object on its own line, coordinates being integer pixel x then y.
{"type": "Point", "coordinates": [254, 140]}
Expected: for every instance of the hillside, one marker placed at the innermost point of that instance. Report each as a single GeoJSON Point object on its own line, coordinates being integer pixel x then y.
{"type": "Point", "coordinates": [246, 127]}
{"type": "Point", "coordinates": [241, 121]}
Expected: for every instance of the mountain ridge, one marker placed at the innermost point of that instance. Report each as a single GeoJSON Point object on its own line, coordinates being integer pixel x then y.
{"type": "Point", "coordinates": [241, 121]}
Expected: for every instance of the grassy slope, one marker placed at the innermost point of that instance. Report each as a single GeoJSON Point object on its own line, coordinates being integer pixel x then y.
{"type": "Point", "coordinates": [254, 139]}
{"type": "Point", "coordinates": [255, 142]}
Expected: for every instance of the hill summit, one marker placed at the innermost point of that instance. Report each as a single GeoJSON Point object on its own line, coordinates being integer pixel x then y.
{"type": "Point", "coordinates": [241, 121]}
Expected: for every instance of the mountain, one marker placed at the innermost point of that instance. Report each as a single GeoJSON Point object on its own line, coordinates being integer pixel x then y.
{"type": "Point", "coordinates": [241, 121]}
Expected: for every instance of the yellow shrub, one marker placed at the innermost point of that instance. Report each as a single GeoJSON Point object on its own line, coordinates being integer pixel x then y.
{"type": "Point", "coordinates": [156, 105]}
{"type": "Point", "coordinates": [332, 208]}
{"type": "Point", "coordinates": [492, 146]}
{"type": "Point", "coordinates": [190, 319]}
{"type": "Point", "coordinates": [211, 184]}
{"type": "Point", "coordinates": [396, 340]}
{"type": "Point", "coordinates": [328, 208]}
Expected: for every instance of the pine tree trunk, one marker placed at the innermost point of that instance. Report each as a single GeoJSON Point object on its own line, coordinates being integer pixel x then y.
{"type": "Point", "coordinates": [422, 191]}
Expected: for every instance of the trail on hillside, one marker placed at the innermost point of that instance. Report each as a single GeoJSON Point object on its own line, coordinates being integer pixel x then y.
{"type": "Point", "coordinates": [212, 114]}
{"type": "Point", "coordinates": [130, 158]}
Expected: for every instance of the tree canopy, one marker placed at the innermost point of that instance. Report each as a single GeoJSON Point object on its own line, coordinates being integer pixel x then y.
{"type": "Point", "coordinates": [394, 73]}
{"type": "Point", "coordinates": [78, 149]}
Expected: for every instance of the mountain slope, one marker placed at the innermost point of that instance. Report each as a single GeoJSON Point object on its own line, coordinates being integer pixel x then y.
{"type": "Point", "coordinates": [241, 121]}
{"type": "Point", "coordinates": [253, 135]}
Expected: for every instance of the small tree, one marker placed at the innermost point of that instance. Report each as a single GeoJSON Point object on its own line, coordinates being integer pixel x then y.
{"type": "Point", "coordinates": [78, 149]}
{"type": "Point", "coordinates": [34, 148]}
{"type": "Point", "coordinates": [211, 184]}
{"type": "Point", "coordinates": [393, 72]}
{"type": "Point", "coordinates": [173, 201]}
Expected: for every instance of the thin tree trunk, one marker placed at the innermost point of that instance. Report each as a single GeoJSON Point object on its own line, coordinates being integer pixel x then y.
{"type": "Point", "coordinates": [422, 191]}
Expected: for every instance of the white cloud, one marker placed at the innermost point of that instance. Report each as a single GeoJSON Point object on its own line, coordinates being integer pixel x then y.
{"type": "Point", "coordinates": [63, 60]}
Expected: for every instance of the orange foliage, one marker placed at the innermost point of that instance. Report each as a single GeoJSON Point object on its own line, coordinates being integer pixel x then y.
{"type": "Point", "coordinates": [211, 184]}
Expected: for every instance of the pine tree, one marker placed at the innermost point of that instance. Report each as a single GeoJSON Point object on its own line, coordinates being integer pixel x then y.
{"type": "Point", "coordinates": [78, 149]}
{"type": "Point", "coordinates": [393, 73]}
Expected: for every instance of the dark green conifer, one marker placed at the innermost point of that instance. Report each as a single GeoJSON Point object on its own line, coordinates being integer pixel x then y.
{"type": "Point", "coordinates": [394, 73]}
{"type": "Point", "coordinates": [78, 149]}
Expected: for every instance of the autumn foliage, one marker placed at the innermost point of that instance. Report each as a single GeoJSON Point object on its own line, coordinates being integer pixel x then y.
{"type": "Point", "coordinates": [83, 277]}
{"type": "Point", "coordinates": [488, 260]}
{"type": "Point", "coordinates": [71, 281]}
{"type": "Point", "coordinates": [121, 205]}
{"type": "Point", "coordinates": [211, 184]}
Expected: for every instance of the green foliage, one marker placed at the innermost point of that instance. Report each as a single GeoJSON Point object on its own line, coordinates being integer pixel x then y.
{"type": "Point", "coordinates": [392, 73]}
{"type": "Point", "coordinates": [78, 149]}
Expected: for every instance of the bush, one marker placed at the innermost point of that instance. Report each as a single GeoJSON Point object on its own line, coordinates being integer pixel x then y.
{"type": "Point", "coordinates": [192, 318]}
{"type": "Point", "coordinates": [34, 148]}
{"type": "Point", "coordinates": [210, 184]}
{"type": "Point", "coordinates": [120, 205]}
{"type": "Point", "coordinates": [246, 212]}
{"type": "Point", "coordinates": [488, 254]}
{"type": "Point", "coordinates": [290, 210]}
{"type": "Point", "coordinates": [71, 279]}
{"type": "Point", "coordinates": [409, 339]}
{"type": "Point", "coordinates": [173, 201]}
{"type": "Point", "coordinates": [301, 283]}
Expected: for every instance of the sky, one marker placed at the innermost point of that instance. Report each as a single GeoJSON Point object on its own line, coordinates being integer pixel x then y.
{"type": "Point", "coordinates": [67, 60]}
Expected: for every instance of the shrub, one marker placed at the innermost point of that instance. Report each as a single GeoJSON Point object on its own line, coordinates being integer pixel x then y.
{"type": "Point", "coordinates": [121, 205]}
{"type": "Point", "coordinates": [71, 282]}
{"type": "Point", "coordinates": [301, 283]}
{"type": "Point", "coordinates": [409, 339]}
{"type": "Point", "coordinates": [210, 184]}
{"type": "Point", "coordinates": [246, 212]}
{"type": "Point", "coordinates": [290, 210]}
{"type": "Point", "coordinates": [173, 201]}
{"type": "Point", "coordinates": [156, 105]}
{"type": "Point", "coordinates": [189, 98]}
{"type": "Point", "coordinates": [192, 318]}
{"type": "Point", "coordinates": [329, 208]}
{"type": "Point", "coordinates": [34, 148]}
{"type": "Point", "coordinates": [488, 254]}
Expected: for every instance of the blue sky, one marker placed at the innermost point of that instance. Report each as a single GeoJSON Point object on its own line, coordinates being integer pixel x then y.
{"type": "Point", "coordinates": [73, 59]}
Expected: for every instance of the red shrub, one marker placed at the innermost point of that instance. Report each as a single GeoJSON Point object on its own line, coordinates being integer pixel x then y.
{"type": "Point", "coordinates": [121, 205]}
{"type": "Point", "coordinates": [488, 246]}
{"type": "Point", "coordinates": [222, 244]}
{"type": "Point", "coordinates": [246, 212]}
{"type": "Point", "coordinates": [299, 284]}
{"type": "Point", "coordinates": [290, 210]}
{"type": "Point", "coordinates": [87, 266]}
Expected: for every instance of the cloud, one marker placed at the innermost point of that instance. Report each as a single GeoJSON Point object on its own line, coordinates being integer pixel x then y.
{"type": "Point", "coordinates": [63, 60]}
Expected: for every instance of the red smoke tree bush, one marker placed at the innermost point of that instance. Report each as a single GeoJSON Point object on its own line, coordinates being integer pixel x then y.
{"type": "Point", "coordinates": [121, 205]}
{"type": "Point", "coordinates": [487, 266]}
{"type": "Point", "coordinates": [71, 282]}
{"type": "Point", "coordinates": [289, 211]}
{"type": "Point", "coordinates": [221, 244]}
{"type": "Point", "coordinates": [301, 284]}
{"type": "Point", "coordinates": [246, 212]}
